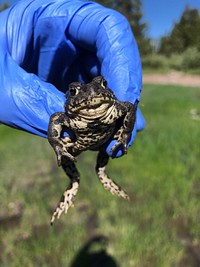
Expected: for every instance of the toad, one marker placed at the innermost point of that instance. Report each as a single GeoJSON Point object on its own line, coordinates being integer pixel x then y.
{"type": "Point", "coordinates": [94, 116]}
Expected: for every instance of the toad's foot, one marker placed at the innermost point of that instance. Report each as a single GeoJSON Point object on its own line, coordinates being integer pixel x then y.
{"type": "Point", "coordinates": [66, 201]}
{"type": "Point", "coordinates": [108, 183]}
{"type": "Point", "coordinates": [122, 140]}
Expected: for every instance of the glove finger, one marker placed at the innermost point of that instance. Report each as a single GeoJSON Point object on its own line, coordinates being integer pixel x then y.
{"type": "Point", "coordinates": [27, 102]}
{"type": "Point", "coordinates": [140, 121]}
{"type": "Point", "coordinates": [108, 33]}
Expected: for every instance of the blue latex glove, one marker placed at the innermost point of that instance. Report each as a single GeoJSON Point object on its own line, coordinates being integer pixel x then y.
{"type": "Point", "coordinates": [46, 44]}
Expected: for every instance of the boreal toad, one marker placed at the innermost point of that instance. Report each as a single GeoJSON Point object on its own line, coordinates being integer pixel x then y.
{"type": "Point", "coordinates": [93, 114]}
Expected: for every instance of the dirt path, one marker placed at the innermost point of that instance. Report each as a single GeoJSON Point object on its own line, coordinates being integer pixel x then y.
{"type": "Point", "coordinates": [174, 77]}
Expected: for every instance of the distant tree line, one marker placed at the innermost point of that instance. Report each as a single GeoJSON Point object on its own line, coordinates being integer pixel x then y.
{"type": "Point", "coordinates": [180, 50]}
{"type": "Point", "coordinates": [185, 34]}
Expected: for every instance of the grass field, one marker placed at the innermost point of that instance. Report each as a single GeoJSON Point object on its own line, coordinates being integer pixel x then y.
{"type": "Point", "coordinates": [159, 227]}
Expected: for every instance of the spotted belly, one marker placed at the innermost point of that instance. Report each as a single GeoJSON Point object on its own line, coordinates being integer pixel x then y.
{"type": "Point", "coordinates": [93, 140]}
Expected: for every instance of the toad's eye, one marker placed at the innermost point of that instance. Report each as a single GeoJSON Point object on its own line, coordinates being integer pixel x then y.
{"type": "Point", "coordinates": [73, 91]}
{"type": "Point", "coordinates": [74, 88]}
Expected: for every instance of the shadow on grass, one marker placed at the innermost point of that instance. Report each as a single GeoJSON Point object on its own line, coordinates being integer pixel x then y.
{"type": "Point", "coordinates": [94, 254]}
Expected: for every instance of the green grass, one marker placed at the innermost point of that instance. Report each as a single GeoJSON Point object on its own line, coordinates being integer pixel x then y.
{"type": "Point", "coordinates": [160, 226]}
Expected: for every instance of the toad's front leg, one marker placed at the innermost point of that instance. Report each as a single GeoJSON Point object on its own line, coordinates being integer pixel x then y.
{"type": "Point", "coordinates": [123, 134]}
{"type": "Point", "coordinates": [102, 161]}
{"type": "Point", "coordinates": [59, 144]}
{"type": "Point", "coordinates": [69, 194]}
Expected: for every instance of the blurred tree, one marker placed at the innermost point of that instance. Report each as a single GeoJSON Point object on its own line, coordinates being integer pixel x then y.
{"type": "Point", "coordinates": [131, 9]}
{"type": "Point", "coordinates": [185, 34]}
{"type": "Point", "coordinates": [4, 6]}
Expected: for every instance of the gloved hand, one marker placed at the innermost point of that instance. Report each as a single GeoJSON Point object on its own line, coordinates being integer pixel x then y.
{"type": "Point", "coordinates": [46, 44]}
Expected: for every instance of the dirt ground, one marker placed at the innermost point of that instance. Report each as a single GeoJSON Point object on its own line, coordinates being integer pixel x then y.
{"type": "Point", "coordinates": [174, 77]}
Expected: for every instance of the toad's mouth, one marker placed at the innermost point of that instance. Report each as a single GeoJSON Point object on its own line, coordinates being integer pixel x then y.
{"type": "Point", "coordinates": [93, 104]}
{"type": "Point", "coordinates": [96, 110]}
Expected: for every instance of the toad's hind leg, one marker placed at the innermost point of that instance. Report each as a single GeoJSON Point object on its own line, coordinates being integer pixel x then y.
{"type": "Point", "coordinates": [102, 161]}
{"type": "Point", "coordinates": [69, 194]}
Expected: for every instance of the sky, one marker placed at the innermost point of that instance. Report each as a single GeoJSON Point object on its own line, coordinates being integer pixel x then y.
{"type": "Point", "coordinates": [160, 15]}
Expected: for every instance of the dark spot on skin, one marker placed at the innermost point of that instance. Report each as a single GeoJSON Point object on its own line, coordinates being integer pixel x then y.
{"type": "Point", "coordinates": [54, 133]}
{"type": "Point", "coordinates": [62, 198]}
